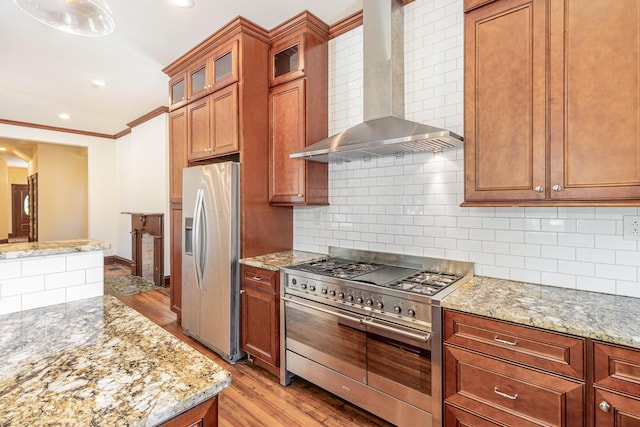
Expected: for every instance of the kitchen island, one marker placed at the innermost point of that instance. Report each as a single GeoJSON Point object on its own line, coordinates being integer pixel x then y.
{"type": "Point", "coordinates": [98, 362]}
{"type": "Point", "coordinates": [39, 274]}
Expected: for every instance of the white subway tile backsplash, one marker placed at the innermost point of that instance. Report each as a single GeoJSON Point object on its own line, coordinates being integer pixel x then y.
{"type": "Point", "coordinates": [412, 204]}
{"type": "Point", "coordinates": [617, 272]}
{"type": "Point", "coordinates": [596, 255]}
{"type": "Point", "coordinates": [22, 285]}
{"type": "Point", "coordinates": [43, 265]}
{"type": "Point", "coordinates": [10, 270]}
{"type": "Point", "coordinates": [84, 260]}
{"type": "Point", "coordinates": [62, 280]}
{"type": "Point", "coordinates": [43, 299]}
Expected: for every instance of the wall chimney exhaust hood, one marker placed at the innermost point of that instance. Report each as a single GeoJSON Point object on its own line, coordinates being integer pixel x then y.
{"type": "Point", "coordinates": [384, 131]}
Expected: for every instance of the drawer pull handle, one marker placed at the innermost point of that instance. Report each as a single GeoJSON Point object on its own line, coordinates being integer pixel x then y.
{"type": "Point", "coordinates": [256, 278]}
{"type": "Point", "coordinates": [508, 396]}
{"type": "Point", "coordinates": [513, 343]}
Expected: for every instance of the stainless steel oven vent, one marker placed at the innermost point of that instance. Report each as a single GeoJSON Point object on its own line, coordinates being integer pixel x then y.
{"type": "Point", "coordinates": [384, 131]}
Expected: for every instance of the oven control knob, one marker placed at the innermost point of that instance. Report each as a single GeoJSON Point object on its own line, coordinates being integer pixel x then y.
{"type": "Point", "coordinates": [303, 285]}
{"type": "Point", "coordinates": [324, 290]}
{"type": "Point", "coordinates": [369, 302]}
{"type": "Point", "coordinates": [332, 293]}
{"type": "Point", "coordinates": [411, 312]}
{"type": "Point", "coordinates": [379, 305]}
{"type": "Point", "coordinates": [349, 297]}
{"type": "Point", "coordinates": [397, 309]}
{"type": "Point", "coordinates": [341, 295]}
{"type": "Point", "coordinates": [294, 281]}
{"type": "Point", "coordinates": [359, 300]}
{"type": "Point", "coordinates": [312, 287]}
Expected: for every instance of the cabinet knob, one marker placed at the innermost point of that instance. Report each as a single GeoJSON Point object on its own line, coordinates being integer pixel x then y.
{"type": "Point", "coordinates": [299, 195]}
{"type": "Point", "coordinates": [539, 189]}
{"type": "Point", "coordinates": [242, 291]}
{"type": "Point", "coordinates": [604, 406]}
{"type": "Point", "coordinates": [557, 187]}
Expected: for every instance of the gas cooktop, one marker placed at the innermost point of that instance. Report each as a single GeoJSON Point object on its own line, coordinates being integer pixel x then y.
{"type": "Point", "coordinates": [394, 277]}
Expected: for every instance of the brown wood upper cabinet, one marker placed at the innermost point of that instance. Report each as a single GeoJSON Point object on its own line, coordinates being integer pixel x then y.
{"type": "Point", "coordinates": [298, 110]}
{"type": "Point", "coordinates": [286, 60]}
{"type": "Point", "coordinates": [552, 112]}
{"type": "Point", "coordinates": [178, 91]}
{"type": "Point", "coordinates": [213, 124]}
{"type": "Point", "coordinates": [214, 72]}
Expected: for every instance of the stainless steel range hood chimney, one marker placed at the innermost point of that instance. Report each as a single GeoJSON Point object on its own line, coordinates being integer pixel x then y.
{"type": "Point", "coordinates": [384, 131]}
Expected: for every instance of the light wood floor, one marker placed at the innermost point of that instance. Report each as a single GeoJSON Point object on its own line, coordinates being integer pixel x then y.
{"type": "Point", "coordinates": [255, 397]}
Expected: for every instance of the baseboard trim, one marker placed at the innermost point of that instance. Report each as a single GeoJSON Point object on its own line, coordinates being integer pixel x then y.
{"type": "Point", "coordinates": [114, 259]}
{"type": "Point", "coordinates": [2, 241]}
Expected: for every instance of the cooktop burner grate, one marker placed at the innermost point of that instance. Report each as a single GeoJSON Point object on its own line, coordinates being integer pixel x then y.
{"type": "Point", "coordinates": [424, 282]}
{"type": "Point", "coordinates": [340, 268]}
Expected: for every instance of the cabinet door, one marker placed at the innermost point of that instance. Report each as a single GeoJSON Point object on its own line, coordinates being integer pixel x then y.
{"type": "Point", "coordinates": [287, 110]}
{"type": "Point", "coordinates": [259, 330]}
{"type": "Point", "coordinates": [176, 261]}
{"type": "Point", "coordinates": [505, 130]}
{"type": "Point", "coordinates": [224, 65]}
{"type": "Point", "coordinates": [224, 120]}
{"type": "Point", "coordinates": [177, 152]}
{"type": "Point", "coordinates": [286, 60]}
{"type": "Point", "coordinates": [177, 91]}
{"type": "Point", "coordinates": [612, 409]}
{"type": "Point", "coordinates": [198, 81]}
{"type": "Point", "coordinates": [595, 131]}
{"type": "Point", "coordinates": [198, 120]}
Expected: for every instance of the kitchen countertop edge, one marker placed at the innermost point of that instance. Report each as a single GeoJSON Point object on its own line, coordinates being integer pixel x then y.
{"type": "Point", "coordinates": [603, 317]}
{"type": "Point", "coordinates": [276, 261]}
{"type": "Point", "coordinates": [55, 247]}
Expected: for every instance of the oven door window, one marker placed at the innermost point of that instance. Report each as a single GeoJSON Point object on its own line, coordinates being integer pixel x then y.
{"type": "Point", "coordinates": [400, 367]}
{"type": "Point", "coordinates": [336, 340]}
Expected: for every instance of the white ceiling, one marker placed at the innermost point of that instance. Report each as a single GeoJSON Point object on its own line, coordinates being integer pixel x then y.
{"type": "Point", "coordinates": [44, 72]}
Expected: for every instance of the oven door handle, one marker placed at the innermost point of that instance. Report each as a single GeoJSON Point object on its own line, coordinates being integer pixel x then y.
{"type": "Point", "coordinates": [412, 335]}
{"type": "Point", "coordinates": [324, 310]}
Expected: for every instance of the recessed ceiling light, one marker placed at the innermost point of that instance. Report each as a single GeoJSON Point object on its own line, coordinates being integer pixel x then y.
{"type": "Point", "coordinates": [183, 3]}
{"type": "Point", "coordinates": [3, 149]}
{"type": "Point", "coordinates": [97, 82]}
{"type": "Point", "coordinates": [64, 116]}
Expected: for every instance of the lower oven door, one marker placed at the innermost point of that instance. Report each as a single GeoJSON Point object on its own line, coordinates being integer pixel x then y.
{"type": "Point", "coordinates": [399, 362]}
{"type": "Point", "coordinates": [332, 337]}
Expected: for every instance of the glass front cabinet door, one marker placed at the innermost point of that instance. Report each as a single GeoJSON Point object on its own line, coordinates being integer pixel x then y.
{"type": "Point", "coordinates": [287, 60]}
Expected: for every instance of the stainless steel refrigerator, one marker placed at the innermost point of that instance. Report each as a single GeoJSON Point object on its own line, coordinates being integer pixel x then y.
{"type": "Point", "coordinates": [210, 257]}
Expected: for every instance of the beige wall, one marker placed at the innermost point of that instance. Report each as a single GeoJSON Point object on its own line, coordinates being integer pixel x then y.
{"type": "Point", "coordinates": [62, 192]}
{"type": "Point", "coordinates": [4, 196]}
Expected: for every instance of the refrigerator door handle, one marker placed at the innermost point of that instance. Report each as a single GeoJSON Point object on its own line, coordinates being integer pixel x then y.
{"type": "Point", "coordinates": [197, 236]}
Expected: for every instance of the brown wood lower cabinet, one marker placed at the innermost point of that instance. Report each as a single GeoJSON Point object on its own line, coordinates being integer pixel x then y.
{"type": "Point", "coordinates": [259, 316]}
{"type": "Point", "coordinates": [203, 415]}
{"type": "Point", "coordinates": [511, 394]}
{"type": "Point", "coordinates": [616, 386]}
{"type": "Point", "coordinates": [498, 373]}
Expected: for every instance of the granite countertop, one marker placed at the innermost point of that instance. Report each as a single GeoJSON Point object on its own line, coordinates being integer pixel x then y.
{"type": "Point", "coordinates": [98, 362]}
{"type": "Point", "coordinates": [609, 318]}
{"type": "Point", "coordinates": [30, 249]}
{"type": "Point", "coordinates": [279, 260]}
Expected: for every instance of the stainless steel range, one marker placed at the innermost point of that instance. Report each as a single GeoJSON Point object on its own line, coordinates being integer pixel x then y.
{"type": "Point", "coordinates": [367, 327]}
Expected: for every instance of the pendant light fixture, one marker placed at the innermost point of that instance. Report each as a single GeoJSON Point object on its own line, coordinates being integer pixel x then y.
{"type": "Point", "coordinates": [82, 17]}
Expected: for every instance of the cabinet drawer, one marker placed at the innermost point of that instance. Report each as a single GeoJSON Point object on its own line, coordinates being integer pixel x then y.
{"type": "Point", "coordinates": [617, 367]}
{"type": "Point", "coordinates": [550, 351]}
{"type": "Point", "coordinates": [456, 417]}
{"type": "Point", "coordinates": [613, 409]}
{"type": "Point", "coordinates": [511, 394]}
{"type": "Point", "coordinates": [259, 278]}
